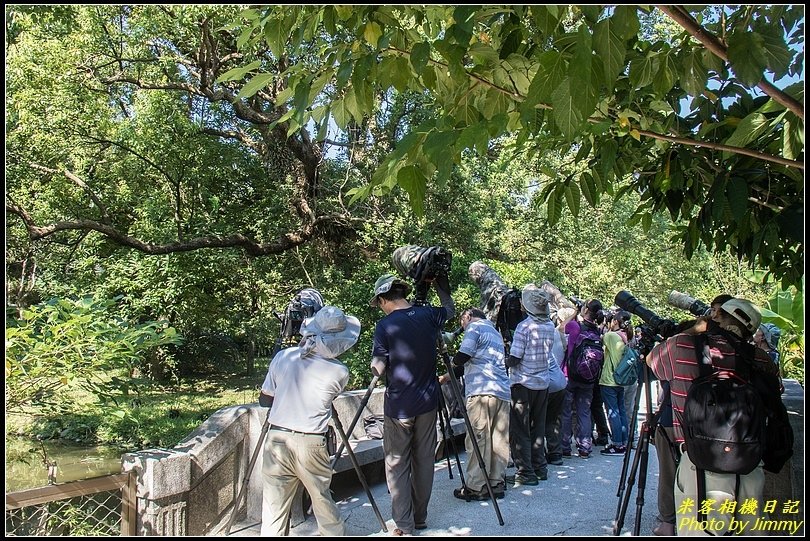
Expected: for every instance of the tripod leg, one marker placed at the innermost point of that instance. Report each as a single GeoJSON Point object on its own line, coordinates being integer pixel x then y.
{"type": "Point", "coordinates": [621, 511]}
{"type": "Point", "coordinates": [243, 489]}
{"type": "Point", "coordinates": [450, 437]}
{"type": "Point", "coordinates": [632, 432]}
{"type": "Point", "coordinates": [462, 406]}
{"type": "Point", "coordinates": [445, 445]}
{"type": "Point", "coordinates": [360, 476]}
{"type": "Point", "coordinates": [357, 415]}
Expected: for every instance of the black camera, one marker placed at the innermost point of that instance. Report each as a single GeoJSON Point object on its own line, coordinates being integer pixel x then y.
{"type": "Point", "coordinates": [656, 326]}
{"type": "Point", "coordinates": [689, 304]}
{"type": "Point", "coordinates": [303, 305]}
{"type": "Point", "coordinates": [422, 265]}
{"type": "Point", "coordinates": [579, 303]}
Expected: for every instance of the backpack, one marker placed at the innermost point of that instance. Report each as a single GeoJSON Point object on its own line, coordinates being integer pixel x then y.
{"type": "Point", "coordinates": [629, 368]}
{"type": "Point", "coordinates": [724, 418]}
{"type": "Point", "coordinates": [585, 362]}
{"type": "Point", "coordinates": [510, 313]}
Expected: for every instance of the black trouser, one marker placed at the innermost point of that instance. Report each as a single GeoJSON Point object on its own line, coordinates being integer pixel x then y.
{"type": "Point", "coordinates": [527, 429]}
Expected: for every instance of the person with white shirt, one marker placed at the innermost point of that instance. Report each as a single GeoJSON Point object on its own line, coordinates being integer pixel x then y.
{"type": "Point", "coordinates": [301, 384]}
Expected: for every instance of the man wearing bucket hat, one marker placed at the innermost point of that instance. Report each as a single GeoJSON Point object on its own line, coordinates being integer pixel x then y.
{"type": "Point", "coordinates": [528, 363]}
{"type": "Point", "coordinates": [677, 361]}
{"type": "Point", "coordinates": [767, 339]}
{"type": "Point", "coordinates": [405, 351]}
{"type": "Point", "coordinates": [303, 381]}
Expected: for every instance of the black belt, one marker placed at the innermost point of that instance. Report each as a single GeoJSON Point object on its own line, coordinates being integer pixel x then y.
{"type": "Point", "coordinates": [281, 428]}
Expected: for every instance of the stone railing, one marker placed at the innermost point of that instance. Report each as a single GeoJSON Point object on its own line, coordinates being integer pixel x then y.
{"type": "Point", "coordinates": [190, 489]}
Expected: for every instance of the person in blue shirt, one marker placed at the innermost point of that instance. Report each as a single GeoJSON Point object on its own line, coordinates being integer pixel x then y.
{"type": "Point", "coordinates": [405, 351]}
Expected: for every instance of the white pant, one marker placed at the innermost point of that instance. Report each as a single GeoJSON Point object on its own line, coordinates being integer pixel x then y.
{"type": "Point", "coordinates": [719, 489]}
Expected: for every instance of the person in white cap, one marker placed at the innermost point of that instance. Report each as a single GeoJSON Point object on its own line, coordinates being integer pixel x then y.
{"type": "Point", "coordinates": [302, 382]}
{"type": "Point", "coordinates": [676, 360]}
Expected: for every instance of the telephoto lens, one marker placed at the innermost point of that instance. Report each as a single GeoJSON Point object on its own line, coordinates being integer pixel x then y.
{"type": "Point", "coordinates": [689, 304]}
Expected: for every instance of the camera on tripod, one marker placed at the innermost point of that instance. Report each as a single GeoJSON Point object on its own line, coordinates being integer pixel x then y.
{"type": "Point", "coordinates": [422, 265]}
{"type": "Point", "coordinates": [655, 325]}
{"type": "Point", "coordinates": [689, 304]}
{"type": "Point", "coordinates": [304, 305]}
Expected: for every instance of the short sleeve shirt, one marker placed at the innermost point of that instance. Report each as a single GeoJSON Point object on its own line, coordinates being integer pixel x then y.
{"type": "Point", "coordinates": [407, 338]}
{"type": "Point", "coordinates": [303, 389]}
{"type": "Point", "coordinates": [485, 372]}
{"type": "Point", "coordinates": [533, 344]}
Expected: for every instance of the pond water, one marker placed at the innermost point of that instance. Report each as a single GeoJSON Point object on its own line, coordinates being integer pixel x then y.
{"type": "Point", "coordinates": [25, 468]}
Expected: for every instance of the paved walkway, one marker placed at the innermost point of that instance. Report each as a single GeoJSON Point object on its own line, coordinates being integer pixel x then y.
{"type": "Point", "coordinates": [578, 499]}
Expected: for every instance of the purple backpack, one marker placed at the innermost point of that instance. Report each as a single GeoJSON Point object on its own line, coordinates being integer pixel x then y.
{"type": "Point", "coordinates": [585, 362]}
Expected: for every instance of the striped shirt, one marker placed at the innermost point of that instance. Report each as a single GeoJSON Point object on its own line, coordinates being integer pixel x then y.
{"type": "Point", "coordinates": [675, 361]}
{"type": "Point", "coordinates": [533, 344]}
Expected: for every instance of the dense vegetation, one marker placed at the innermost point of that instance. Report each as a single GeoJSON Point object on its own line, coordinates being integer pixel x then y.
{"type": "Point", "coordinates": [162, 208]}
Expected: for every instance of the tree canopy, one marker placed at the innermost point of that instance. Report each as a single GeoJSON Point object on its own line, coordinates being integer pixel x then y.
{"type": "Point", "coordinates": [690, 116]}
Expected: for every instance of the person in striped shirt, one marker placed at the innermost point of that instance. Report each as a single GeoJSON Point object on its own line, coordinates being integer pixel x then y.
{"type": "Point", "coordinates": [675, 360]}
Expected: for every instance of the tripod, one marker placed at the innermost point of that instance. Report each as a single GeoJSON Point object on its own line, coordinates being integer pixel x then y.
{"type": "Point", "coordinates": [640, 459]}
{"type": "Point", "coordinates": [448, 437]}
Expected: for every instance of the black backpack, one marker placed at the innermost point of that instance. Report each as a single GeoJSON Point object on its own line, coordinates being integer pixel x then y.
{"type": "Point", "coordinates": [510, 313]}
{"type": "Point", "coordinates": [731, 423]}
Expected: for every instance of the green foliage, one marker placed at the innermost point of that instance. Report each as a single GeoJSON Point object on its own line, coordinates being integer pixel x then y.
{"type": "Point", "coordinates": [786, 310]}
{"type": "Point", "coordinates": [495, 70]}
{"type": "Point", "coordinates": [63, 346]}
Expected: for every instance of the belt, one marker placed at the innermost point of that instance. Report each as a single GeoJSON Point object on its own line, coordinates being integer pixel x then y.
{"type": "Point", "coordinates": [283, 429]}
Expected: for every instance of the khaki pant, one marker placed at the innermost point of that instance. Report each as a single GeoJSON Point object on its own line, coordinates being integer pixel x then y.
{"type": "Point", "coordinates": [489, 417]}
{"type": "Point", "coordinates": [719, 489]}
{"type": "Point", "coordinates": [290, 459]}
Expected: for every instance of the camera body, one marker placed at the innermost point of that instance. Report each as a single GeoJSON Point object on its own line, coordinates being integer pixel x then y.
{"type": "Point", "coordinates": [302, 306]}
{"type": "Point", "coordinates": [689, 304]}
{"type": "Point", "coordinates": [422, 265]}
{"type": "Point", "coordinates": [579, 303]}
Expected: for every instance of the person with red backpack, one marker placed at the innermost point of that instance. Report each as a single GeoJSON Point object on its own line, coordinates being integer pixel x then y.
{"type": "Point", "coordinates": [583, 364]}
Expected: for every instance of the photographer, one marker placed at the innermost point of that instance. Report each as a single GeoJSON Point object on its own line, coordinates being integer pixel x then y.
{"type": "Point", "coordinates": [677, 361]}
{"type": "Point", "coordinates": [301, 384]}
{"type": "Point", "coordinates": [405, 352]}
{"type": "Point", "coordinates": [529, 376]}
{"type": "Point", "coordinates": [481, 355]}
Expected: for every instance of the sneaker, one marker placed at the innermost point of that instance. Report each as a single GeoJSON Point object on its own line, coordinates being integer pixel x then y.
{"type": "Point", "coordinates": [613, 450]}
{"type": "Point", "coordinates": [542, 475]}
{"type": "Point", "coordinates": [519, 480]}
{"type": "Point", "coordinates": [584, 454]}
{"type": "Point", "coordinates": [566, 454]}
{"type": "Point", "coordinates": [556, 460]}
{"type": "Point", "coordinates": [467, 494]}
{"type": "Point", "coordinates": [420, 526]}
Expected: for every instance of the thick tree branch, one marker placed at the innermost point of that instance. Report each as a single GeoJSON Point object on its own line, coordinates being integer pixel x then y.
{"type": "Point", "coordinates": [712, 43]}
{"type": "Point", "coordinates": [283, 243]}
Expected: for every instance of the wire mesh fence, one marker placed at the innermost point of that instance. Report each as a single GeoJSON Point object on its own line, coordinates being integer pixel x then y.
{"type": "Point", "coordinates": [103, 506]}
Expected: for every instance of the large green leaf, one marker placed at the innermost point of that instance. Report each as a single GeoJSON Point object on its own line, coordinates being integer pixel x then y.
{"type": "Point", "coordinates": [746, 52]}
{"type": "Point", "coordinates": [566, 112]}
{"type": "Point", "coordinates": [609, 47]}
{"type": "Point", "coordinates": [414, 182]}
